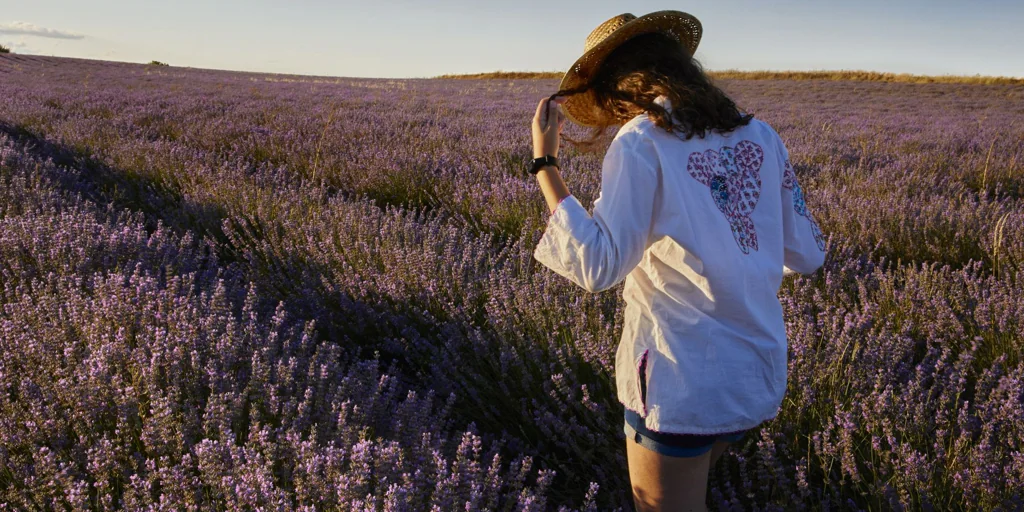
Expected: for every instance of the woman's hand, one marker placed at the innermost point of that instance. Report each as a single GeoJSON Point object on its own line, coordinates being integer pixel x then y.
{"type": "Point", "coordinates": [545, 133]}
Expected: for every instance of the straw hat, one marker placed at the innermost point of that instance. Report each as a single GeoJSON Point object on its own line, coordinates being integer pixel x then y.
{"type": "Point", "coordinates": [580, 108]}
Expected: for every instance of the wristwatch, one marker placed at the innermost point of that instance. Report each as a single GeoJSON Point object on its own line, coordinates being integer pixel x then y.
{"type": "Point", "coordinates": [541, 162]}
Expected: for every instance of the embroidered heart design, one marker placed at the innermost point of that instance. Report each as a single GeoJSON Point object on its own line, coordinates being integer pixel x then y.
{"type": "Point", "coordinates": [733, 176]}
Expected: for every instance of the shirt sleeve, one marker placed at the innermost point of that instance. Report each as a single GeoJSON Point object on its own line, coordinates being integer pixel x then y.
{"type": "Point", "coordinates": [803, 241]}
{"type": "Point", "coordinates": [597, 252]}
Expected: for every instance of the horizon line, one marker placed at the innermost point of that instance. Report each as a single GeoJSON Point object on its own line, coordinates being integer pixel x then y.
{"type": "Point", "coordinates": [734, 71]}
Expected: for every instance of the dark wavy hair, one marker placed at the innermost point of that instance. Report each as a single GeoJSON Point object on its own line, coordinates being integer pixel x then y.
{"type": "Point", "coordinates": [645, 67]}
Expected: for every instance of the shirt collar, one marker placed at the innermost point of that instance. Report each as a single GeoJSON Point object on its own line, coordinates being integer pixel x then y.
{"type": "Point", "coordinates": [664, 102]}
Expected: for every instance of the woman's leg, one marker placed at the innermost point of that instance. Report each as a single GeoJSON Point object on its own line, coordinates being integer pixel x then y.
{"type": "Point", "coordinates": [717, 450]}
{"type": "Point", "coordinates": [663, 483]}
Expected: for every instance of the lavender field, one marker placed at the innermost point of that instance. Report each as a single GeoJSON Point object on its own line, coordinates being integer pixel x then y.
{"type": "Point", "coordinates": [229, 291]}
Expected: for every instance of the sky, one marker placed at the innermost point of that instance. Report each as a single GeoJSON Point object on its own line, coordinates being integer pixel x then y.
{"type": "Point", "coordinates": [425, 38]}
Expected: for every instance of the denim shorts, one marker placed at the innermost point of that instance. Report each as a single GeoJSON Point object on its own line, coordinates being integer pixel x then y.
{"type": "Point", "coordinates": [673, 445]}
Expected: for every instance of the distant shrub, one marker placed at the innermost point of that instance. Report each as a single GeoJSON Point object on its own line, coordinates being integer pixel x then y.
{"type": "Point", "coordinates": [158, 63]}
{"type": "Point", "coordinates": [4, 49]}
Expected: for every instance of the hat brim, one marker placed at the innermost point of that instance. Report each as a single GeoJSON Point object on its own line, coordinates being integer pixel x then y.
{"type": "Point", "coordinates": [581, 108]}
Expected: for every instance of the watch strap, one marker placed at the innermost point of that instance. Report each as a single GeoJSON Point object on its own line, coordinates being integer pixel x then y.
{"type": "Point", "coordinates": [545, 160]}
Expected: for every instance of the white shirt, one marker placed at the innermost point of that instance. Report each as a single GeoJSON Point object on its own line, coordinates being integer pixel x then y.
{"type": "Point", "coordinates": [702, 231]}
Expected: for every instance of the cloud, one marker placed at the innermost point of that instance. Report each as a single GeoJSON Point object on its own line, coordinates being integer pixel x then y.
{"type": "Point", "coordinates": [29, 29]}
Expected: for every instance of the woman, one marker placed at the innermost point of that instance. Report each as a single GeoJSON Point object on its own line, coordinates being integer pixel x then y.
{"type": "Point", "coordinates": [701, 214]}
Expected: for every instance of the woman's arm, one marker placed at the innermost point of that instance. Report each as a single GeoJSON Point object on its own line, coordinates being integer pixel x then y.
{"type": "Point", "coordinates": [552, 186]}
{"type": "Point", "coordinates": [546, 142]}
{"type": "Point", "coordinates": [596, 251]}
